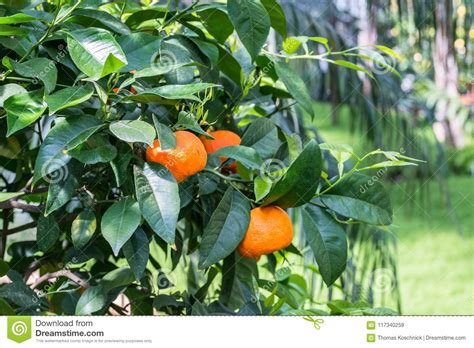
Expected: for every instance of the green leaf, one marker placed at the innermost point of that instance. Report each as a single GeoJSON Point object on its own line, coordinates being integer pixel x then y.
{"type": "Point", "coordinates": [361, 198]}
{"type": "Point", "coordinates": [6, 91]}
{"type": "Point", "coordinates": [47, 232]}
{"type": "Point", "coordinates": [4, 267]}
{"type": "Point", "coordinates": [301, 180]}
{"type": "Point", "coordinates": [95, 52]}
{"type": "Point", "coordinates": [5, 308]}
{"type": "Point", "coordinates": [64, 136]}
{"type": "Point", "coordinates": [225, 229]}
{"type": "Point", "coordinates": [119, 222]}
{"type": "Point", "coordinates": [67, 97]}
{"type": "Point", "coordinates": [102, 17]}
{"type": "Point", "coordinates": [136, 251]}
{"type": "Point", "coordinates": [21, 295]}
{"type": "Point", "coordinates": [389, 51]}
{"type": "Point", "coordinates": [247, 156]}
{"type": "Point", "coordinates": [8, 30]}
{"type": "Point", "coordinates": [172, 92]}
{"type": "Point", "coordinates": [117, 278]}
{"type": "Point", "coordinates": [97, 149]}
{"type": "Point", "coordinates": [188, 121]}
{"type": "Point", "coordinates": [277, 16]}
{"type": "Point", "coordinates": [262, 135]}
{"type": "Point", "coordinates": [327, 240]}
{"type": "Point", "coordinates": [140, 50]}
{"type": "Point", "coordinates": [41, 69]}
{"type": "Point", "coordinates": [17, 18]}
{"type": "Point", "coordinates": [252, 23]}
{"type": "Point", "coordinates": [291, 45]}
{"type": "Point", "coordinates": [134, 131]}
{"type": "Point", "coordinates": [295, 86]}
{"type": "Point", "coordinates": [62, 188]}
{"type": "Point", "coordinates": [23, 110]}
{"type": "Point", "coordinates": [83, 228]}
{"type": "Point", "coordinates": [217, 23]}
{"type": "Point", "coordinates": [5, 196]}
{"type": "Point", "coordinates": [158, 196]}
{"type": "Point", "coordinates": [120, 163]}
{"type": "Point", "coordinates": [91, 301]}
{"type": "Point", "coordinates": [164, 134]}
{"type": "Point", "coordinates": [261, 188]}
{"type": "Point", "coordinates": [347, 64]}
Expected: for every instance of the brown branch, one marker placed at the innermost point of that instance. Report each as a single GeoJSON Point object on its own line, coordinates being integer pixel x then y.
{"type": "Point", "coordinates": [22, 228]}
{"type": "Point", "coordinates": [62, 273]}
{"type": "Point", "coordinates": [3, 241]}
{"type": "Point", "coordinates": [18, 205]}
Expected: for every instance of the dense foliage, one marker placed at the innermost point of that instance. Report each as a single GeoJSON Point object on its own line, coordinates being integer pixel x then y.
{"type": "Point", "coordinates": [87, 87]}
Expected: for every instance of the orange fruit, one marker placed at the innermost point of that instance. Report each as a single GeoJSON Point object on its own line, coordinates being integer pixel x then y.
{"type": "Point", "coordinates": [222, 138]}
{"type": "Point", "coordinates": [269, 230]}
{"type": "Point", "coordinates": [188, 158]}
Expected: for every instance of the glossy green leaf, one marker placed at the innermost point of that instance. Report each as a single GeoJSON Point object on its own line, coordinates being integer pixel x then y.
{"type": "Point", "coordinates": [225, 229]}
{"type": "Point", "coordinates": [301, 180]}
{"type": "Point", "coordinates": [277, 16]}
{"type": "Point", "coordinates": [6, 91]}
{"type": "Point", "coordinates": [262, 135]}
{"type": "Point", "coordinates": [261, 188]}
{"type": "Point", "coordinates": [106, 19]}
{"type": "Point", "coordinates": [119, 222]}
{"type": "Point", "coordinates": [47, 232]}
{"type": "Point", "coordinates": [95, 52]}
{"type": "Point", "coordinates": [136, 251]}
{"type": "Point", "coordinates": [361, 198]}
{"type": "Point", "coordinates": [42, 69]}
{"type": "Point", "coordinates": [67, 97]}
{"type": "Point", "coordinates": [17, 18]}
{"type": "Point", "coordinates": [5, 196]}
{"type": "Point", "coordinates": [91, 301]}
{"type": "Point", "coordinates": [295, 86]}
{"type": "Point", "coordinates": [9, 30]}
{"type": "Point", "coordinates": [327, 240]}
{"type": "Point", "coordinates": [64, 136]}
{"type": "Point", "coordinates": [247, 156]}
{"type": "Point", "coordinates": [83, 228]}
{"type": "Point", "coordinates": [172, 92]}
{"type": "Point", "coordinates": [117, 278]}
{"type": "Point", "coordinates": [252, 23]}
{"type": "Point", "coordinates": [97, 149]}
{"type": "Point", "coordinates": [23, 110]}
{"type": "Point", "coordinates": [164, 134]}
{"type": "Point", "coordinates": [158, 196]}
{"type": "Point", "coordinates": [217, 23]}
{"type": "Point", "coordinates": [62, 186]}
{"type": "Point", "coordinates": [140, 50]}
{"type": "Point", "coordinates": [134, 131]}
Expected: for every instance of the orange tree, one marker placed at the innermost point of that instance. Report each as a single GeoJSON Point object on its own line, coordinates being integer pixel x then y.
{"type": "Point", "coordinates": [139, 141]}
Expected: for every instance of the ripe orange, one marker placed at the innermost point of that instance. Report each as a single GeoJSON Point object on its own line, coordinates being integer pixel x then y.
{"type": "Point", "coordinates": [269, 230]}
{"type": "Point", "coordinates": [222, 138]}
{"type": "Point", "coordinates": [188, 158]}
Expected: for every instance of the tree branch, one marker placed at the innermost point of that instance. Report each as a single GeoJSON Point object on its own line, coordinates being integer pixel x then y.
{"type": "Point", "coordinates": [18, 205]}
{"type": "Point", "coordinates": [22, 228]}
{"type": "Point", "coordinates": [62, 273]}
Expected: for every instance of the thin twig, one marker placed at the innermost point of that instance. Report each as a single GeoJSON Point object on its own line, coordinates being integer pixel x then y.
{"type": "Point", "coordinates": [62, 273]}
{"type": "Point", "coordinates": [3, 242]}
{"type": "Point", "coordinates": [22, 228]}
{"type": "Point", "coordinates": [22, 206]}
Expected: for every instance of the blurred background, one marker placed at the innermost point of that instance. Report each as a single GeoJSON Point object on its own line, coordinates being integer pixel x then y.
{"type": "Point", "coordinates": [424, 263]}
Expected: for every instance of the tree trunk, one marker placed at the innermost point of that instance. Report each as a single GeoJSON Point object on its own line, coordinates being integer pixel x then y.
{"type": "Point", "coordinates": [446, 74]}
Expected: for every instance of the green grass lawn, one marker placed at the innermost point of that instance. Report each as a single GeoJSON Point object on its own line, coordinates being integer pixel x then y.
{"type": "Point", "coordinates": [435, 242]}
